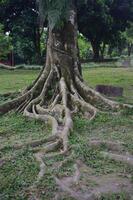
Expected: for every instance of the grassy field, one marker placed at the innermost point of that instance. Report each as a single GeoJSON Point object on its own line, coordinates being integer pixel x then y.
{"type": "Point", "coordinates": [16, 80]}
{"type": "Point", "coordinates": [122, 77]}
{"type": "Point", "coordinates": [13, 81]}
{"type": "Point", "coordinates": [18, 168]}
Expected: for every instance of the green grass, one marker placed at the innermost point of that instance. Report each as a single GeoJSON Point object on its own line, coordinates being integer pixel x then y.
{"type": "Point", "coordinates": [122, 77]}
{"type": "Point", "coordinates": [19, 173]}
{"type": "Point", "coordinates": [13, 81]}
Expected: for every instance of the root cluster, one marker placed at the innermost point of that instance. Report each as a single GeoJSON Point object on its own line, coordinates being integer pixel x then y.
{"type": "Point", "coordinates": [54, 98]}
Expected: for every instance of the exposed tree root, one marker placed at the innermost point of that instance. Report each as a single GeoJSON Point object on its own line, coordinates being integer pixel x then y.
{"type": "Point", "coordinates": [32, 144]}
{"type": "Point", "coordinates": [96, 98]}
{"type": "Point", "coordinates": [110, 145]}
{"type": "Point", "coordinates": [103, 185]}
{"type": "Point", "coordinates": [58, 111]}
{"type": "Point", "coordinates": [125, 159]}
{"type": "Point", "coordinates": [10, 94]}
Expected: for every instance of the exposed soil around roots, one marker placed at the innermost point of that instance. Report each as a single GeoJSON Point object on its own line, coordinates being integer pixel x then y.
{"type": "Point", "coordinates": [83, 185]}
{"type": "Point", "coordinates": [116, 151]}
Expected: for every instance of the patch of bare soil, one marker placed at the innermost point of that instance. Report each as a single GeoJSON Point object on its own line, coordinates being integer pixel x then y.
{"type": "Point", "coordinates": [116, 151]}
{"type": "Point", "coordinates": [126, 159]}
{"type": "Point", "coordinates": [84, 186]}
{"type": "Point", "coordinates": [110, 145]}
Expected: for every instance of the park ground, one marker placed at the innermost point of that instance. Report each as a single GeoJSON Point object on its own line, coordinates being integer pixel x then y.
{"type": "Point", "coordinates": [89, 141]}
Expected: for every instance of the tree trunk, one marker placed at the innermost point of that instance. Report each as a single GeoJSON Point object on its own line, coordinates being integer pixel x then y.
{"type": "Point", "coordinates": [59, 92]}
{"type": "Point", "coordinates": [96, 50]}
{"type": "Point", "coordinates": [37, 38]}
{"type": "Point", "coordinates": [102, 50]}
{"type": "Point", "coordinates": [130, 46]}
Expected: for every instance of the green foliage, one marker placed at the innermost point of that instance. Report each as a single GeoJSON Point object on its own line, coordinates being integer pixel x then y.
{"type": "Point", "coordinates": [84, 47]}
{"type": "Point", "coordinates": [130, 33]}
{"type": "Point", "coordinates": [55, 11]}
{"type": "Point", "coordinates": [20, 18]}
{"type": "Point", "coordinates": [101, 21]}
{"type": "Point", "coordinates": [5, 43]}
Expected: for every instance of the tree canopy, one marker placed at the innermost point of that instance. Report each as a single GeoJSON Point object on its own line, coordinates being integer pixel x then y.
{"type": "Point", "coordinates": [5, 43]}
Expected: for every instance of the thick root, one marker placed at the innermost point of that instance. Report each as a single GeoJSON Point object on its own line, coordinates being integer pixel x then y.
{"type": "Point", "coordinates": [126, 159]}
{"type": "Point", "coordinates": [75, 186]}
{"type": "Point", "coordinates": [110, 145]}
{"type": "Point", "coordinates": [96, 98]}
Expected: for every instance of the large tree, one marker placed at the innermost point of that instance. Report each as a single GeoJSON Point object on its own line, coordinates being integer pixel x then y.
{"type": "Point", "coordinates": [59, 92]}
{"type": "Point", "coordinates": [20, 19]}
{"type": "Point", "coordinates": [5, 44]}
{"type": "Point", "coordinates": [128, 34]}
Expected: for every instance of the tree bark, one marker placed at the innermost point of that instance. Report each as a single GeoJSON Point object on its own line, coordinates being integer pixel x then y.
{"type": "Point", "coordinates": [96, 50]}
{"type": "Point", "coordinates": [37, 38]}
{"type": "Point", "coordinates": [102, 50]}
{"type": "Point", "coordinates": [130, 47]}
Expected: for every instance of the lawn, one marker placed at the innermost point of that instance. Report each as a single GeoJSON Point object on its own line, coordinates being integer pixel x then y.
{"type": "Point", "coordinates": [19, 169]}
{"type": "Point", "coordinates": [14, 81]}
{"type": "Point", "coordinates": [122, 77]}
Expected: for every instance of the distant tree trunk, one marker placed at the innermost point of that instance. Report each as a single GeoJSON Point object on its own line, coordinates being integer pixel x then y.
{"type": "Point", "coordinates": [130, 47]}
{"type": "Point", "coordinates": [96, 50]}
{"type": "Point", "coordinates": [110, 51]}
{"type": "Point", "coordinates": [120, 50]}
{"type": "Point", "coordinates": [37, 38]}
{"type": "Point", "coordinates": [102, 50]}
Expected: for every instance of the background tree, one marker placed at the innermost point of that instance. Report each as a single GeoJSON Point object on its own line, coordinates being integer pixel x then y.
{"type": "Point", "coordinates": [101, 21]}
{"type": "Point", "coordinates": [84, 47]}
{"type": "Point", "coordinates": [20, 19]}
{"type": "Point", "coordinates": [128, 34]}
{"type": "Point", "coordinates": [5, 44]}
